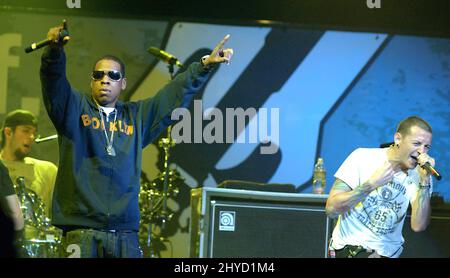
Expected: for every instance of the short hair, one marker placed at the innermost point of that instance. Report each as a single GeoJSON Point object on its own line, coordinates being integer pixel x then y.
{"type": "Point", "coordinates": [405, 125]}
{"type": "Point", "coordinates": [15, 118]}
{"type": "Point", "coordinates": [112, 58]}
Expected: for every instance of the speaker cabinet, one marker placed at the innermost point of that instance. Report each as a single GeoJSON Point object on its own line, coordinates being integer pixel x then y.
{"type": "Point", "coordinates": [230, 223]}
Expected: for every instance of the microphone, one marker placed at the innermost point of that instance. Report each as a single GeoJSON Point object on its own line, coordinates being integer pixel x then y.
{"type": "Point", "coordinates": [166, 57]}
{"type": "Point", "coordinates": [37, 45]}
{"type": "Point", "coordinates": [430, 169]}
{"type": "Point", "coordinates": [63, 35]}
{"type": "Point", "coordinates": [48, 138]}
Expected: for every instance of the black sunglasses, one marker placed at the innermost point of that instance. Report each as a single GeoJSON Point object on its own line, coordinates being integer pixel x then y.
{"type": "Point", "coordinates": [112, 74]}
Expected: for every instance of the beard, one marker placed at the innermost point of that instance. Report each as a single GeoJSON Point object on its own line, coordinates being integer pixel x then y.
{"type": "Point", "coordinates": [20, 155]}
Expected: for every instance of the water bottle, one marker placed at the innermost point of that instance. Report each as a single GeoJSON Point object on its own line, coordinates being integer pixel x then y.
{"type": "Point", "coordinates": [319, 177]}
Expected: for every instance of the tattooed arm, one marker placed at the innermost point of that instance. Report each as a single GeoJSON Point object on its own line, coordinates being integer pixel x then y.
{"type": "Point", "coordinates": [420, 210]}
{"type": "Point", "coordinates": [420, 204]}
{"type": "Point", "coordinates": [342, 198]}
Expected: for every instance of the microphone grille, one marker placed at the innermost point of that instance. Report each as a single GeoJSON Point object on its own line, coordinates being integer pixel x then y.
{"type": "Point", "coordinates": [153, 50]}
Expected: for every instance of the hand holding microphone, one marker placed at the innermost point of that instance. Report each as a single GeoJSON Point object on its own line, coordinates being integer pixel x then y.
{"type": "Point", "coordinates": [430, 169]}
{"type": "Point", "coordinates": [56, 38]}
{"type": "Point", "coordinates": [427, 163]}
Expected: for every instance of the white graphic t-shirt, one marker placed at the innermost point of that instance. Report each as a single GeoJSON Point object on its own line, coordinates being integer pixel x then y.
{"type": "Point", "coordinates": [377, 222]}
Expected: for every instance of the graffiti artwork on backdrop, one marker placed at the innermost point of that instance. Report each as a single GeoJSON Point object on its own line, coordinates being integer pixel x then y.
{"type": "Point", "coordinates": [199, 159]}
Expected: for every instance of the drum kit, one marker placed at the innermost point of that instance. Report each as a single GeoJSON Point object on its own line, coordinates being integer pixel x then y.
{"type": "Point", "coordinates": [39, 238]}
{"type": "Point", "coordinates": [42, 240]}
{"type": "Point", "coordinates": [154, 194]}
{"type": "Point", "coordinates": [153, 197]}
{"type": "Point", "coordinates": [154, 217]}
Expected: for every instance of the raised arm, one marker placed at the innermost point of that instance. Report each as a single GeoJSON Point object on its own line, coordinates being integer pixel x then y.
{"type": "Point", "coordinates": [56, 89]}
{"type": "Point", "coordinates": [178, 93]}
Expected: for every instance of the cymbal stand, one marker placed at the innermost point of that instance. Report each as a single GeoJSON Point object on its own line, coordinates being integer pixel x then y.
{"type": "Point", "coordinates": [166, 144]}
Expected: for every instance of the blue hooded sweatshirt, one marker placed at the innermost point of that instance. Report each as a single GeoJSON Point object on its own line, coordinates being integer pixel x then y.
{"type": "Point", "coordinates": [93, 189]}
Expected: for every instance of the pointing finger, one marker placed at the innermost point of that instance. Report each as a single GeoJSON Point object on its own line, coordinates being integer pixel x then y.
{"type": "Point", "coordinates": [220, 45]}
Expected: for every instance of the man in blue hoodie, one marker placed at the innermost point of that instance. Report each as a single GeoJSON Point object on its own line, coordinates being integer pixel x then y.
{"type": "Point", "coordinates": [101, 139]}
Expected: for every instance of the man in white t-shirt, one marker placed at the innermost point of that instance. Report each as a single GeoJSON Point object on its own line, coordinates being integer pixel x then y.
{"type": "Point", "coordinates": [373, 190]}
{"type": "Point", "coordinates": [18, 134]}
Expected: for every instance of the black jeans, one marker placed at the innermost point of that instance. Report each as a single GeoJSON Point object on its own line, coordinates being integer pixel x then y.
{"type": "Point", "coordinates": [89, 243]}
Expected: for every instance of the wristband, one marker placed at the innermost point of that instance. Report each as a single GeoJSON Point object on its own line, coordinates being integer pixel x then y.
{"type": "Point", "coordinates": [202, 61]}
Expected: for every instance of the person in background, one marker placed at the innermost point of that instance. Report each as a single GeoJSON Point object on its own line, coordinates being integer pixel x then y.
{"type": "Point", "coordinates": [18, 135]}
{"type": "Point", "coordinates": [11, 218]}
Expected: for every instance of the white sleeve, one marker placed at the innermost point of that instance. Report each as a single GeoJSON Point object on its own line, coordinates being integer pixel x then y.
{"type": "Point", "coordinates": [348, 172]}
